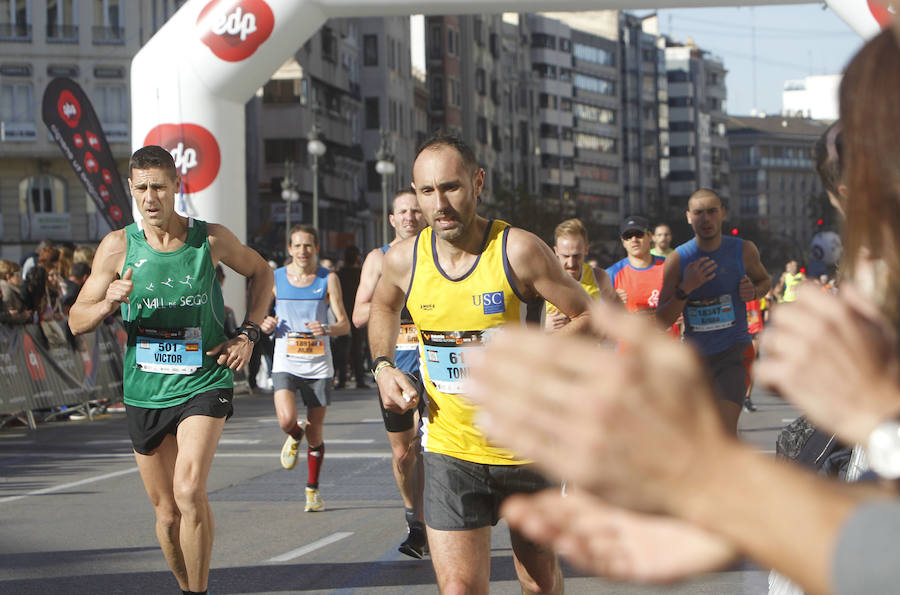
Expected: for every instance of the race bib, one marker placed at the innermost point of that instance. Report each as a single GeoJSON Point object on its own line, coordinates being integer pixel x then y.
{"type": "Point", "coordinates": [304, 346]}
{"type": "Point", "coordinates": [445, 357]}
{"type": "Point", "coordinates": [408, 339]}
{"type": "Point", "coordinates": [169, 351]}
{"type": "Point", "coordinates": [710, 314]}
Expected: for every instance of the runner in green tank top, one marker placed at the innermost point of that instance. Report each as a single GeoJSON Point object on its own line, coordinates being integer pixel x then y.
{"type": "Point", "coordinates": [178, 364]}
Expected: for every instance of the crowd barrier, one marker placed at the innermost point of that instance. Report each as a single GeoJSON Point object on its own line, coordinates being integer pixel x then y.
{"type": "Point", "coordinates": [43, 368]}
{"type": "Point", "coordinates": [45, 371]}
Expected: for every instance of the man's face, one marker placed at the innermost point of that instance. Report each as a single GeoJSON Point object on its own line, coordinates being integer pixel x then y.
{"type": "Point", "coordinates": [662, 238]}
{"type": "Point", "coordinates": [303, 248]}
{"type": "Point", "coordinates": [791, 267]}
{"type": "Point", "coordinates": [407, 219]}
{"type": "Point", "coordinates": [15, 278]}
{"type": "Point", "coordinates": [706, 214]}
{"type": "Point", "coordinates": [636, 242]}
{"type": "Point", "coordinates": [447, 192]}
{"type": "Point", "coordinates": [571, 252]}
{"type": "Point", "coordinates": [154, 192]}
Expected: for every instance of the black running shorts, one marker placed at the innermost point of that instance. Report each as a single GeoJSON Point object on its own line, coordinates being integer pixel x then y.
{"type": "Point", "coordinates": [149, 427]}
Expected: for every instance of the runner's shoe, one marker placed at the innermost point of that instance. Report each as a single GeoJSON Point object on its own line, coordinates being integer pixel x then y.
{"type": "Point", "coordinates": [416, 544]}
{"type": "Point", "coordinates": [313, 501]}
{"type": "Point", "coordinates": [289, 451]}
{"type": "Point", "coordinates": [748, 405]}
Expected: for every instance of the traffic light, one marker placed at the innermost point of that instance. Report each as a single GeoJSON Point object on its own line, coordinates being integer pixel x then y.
{"type": "Point", "coordinates": [734, 231]}
{"type": "Point", "coordinates": [819, 222]}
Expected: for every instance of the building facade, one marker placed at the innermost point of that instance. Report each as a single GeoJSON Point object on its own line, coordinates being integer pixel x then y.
{"type": "Point", "coordinates": [774, 186]}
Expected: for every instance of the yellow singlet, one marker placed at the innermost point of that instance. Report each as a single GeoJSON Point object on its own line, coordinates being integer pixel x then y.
{"type": "Point", "coordinates": [587, 281]}
{"type": "Point", "coordinates": [454, 316]}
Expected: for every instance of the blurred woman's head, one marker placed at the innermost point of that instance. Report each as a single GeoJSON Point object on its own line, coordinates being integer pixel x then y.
{"type": "Point", "coordinates": [870, 116]}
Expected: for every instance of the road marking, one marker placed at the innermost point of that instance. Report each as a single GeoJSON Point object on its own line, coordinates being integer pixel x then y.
{"type": "Point", "coordinates": [787, 420]}
{"type": "Point", "coordinates": [222, 441]}
{"type": "Point", "coordinates": [66, 486]}
{"type": "Point", "coordinates": [301, 551]}
{"type": "Point", "coordinates": [371, 420]}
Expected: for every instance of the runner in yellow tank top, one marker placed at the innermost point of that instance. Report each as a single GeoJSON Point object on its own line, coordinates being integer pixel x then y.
{"type": "Point", "coordinates": [464, 276]}
{"type": "Point", "coordinates": [571, 248]}
{"type": "Point", "coordinates": [790, 279]}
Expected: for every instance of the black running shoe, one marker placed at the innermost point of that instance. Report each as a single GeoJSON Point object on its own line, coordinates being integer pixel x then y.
{"type": "Point", "coordinates": [416, 544]}
{"type": "Point", "coordinates": [748, 405]}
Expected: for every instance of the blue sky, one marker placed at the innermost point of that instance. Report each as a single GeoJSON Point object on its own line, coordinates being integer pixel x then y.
{"type": "Point", "coordinates": [792, 41]}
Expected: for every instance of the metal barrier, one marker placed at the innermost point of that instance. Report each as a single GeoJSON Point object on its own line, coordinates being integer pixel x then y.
{"type": "Point", "coordinates": [45, 372]}
{"type": "Point", "coordinates": [43, 368]}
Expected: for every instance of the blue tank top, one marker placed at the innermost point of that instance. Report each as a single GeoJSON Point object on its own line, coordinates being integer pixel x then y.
{"type": "Point", "coordinates": [297, 350]}
{"type": "Point", "coordinates": [715, 316]}
{"type": "Point", "coordinates": [406, 353]}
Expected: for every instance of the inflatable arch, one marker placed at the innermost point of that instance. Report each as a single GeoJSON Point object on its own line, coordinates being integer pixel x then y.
{"type": "Point", "coordinates": [190, 82]}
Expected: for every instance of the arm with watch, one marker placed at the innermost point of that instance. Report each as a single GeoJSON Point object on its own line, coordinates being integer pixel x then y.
{"type": "Point", "coordinates": [396, 391]}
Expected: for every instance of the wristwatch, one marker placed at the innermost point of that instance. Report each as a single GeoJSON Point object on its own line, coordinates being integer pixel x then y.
{"type": "Point", "coordinates": [679, 293]}
{"type": "Point", "coordinates": [250, 330]}
{"type": "Point", "coordinates": [884, 449]}
{"type": "Point", "coordinates": [380, 364]}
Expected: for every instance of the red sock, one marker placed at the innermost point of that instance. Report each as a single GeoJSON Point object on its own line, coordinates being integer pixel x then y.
{"type": "Point", "coordinates": [314, 457]}
{"type": "Point", "coordinates": [297, 432]}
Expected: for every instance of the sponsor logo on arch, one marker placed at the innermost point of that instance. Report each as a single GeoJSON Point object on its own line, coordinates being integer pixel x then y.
{"type": "Point", "coordinates": [234, 29]}
{"type": "Point", "coordinates": [195, 150]}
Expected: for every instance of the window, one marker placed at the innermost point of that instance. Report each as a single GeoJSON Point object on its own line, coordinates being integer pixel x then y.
{"type": "Point", "coordinates": [549, 131]}
{"type": "Point", "coordinates": [592, 142]}
{"type": "Point", "coordinates": [435, 46]}
{"type": "Point", "coordinates": [565, 74]}
{"type": "Point", "coordinates": [495, 45]}
{"type": "Point", "coordinates": [61, 20]}
{"type": "Point", "coordinates": [544, 71]}
{"type": "Point", "coordinates": [495, 91]}
{"type": "Point", "coordinates": [373, 114]}
{"type": "Point", "coordinates": [589, 53]}
{"type": "Point", "coordinates": [107, 23]}
{"type": "Point", "coordinates": [451, 41]}
{"type": "Point", "coordinates": [594, 84]}
{"type": "Point", "coordinates": [392, 114]}
{"type": "Point", "coordinates": [542, 40]}
{"type": "Point", "coordinates": [17, 111]}
{"type": "Point", "coordinates": [565, 45]}
{"type": "Point", "coordinates": [282, 91]}
{"type": "Point", "coordinates": [373, 178]}
{"type": "Point", "coordinates": [277, 150]}
{"type": "Point", "coordinates": [14, 19]}
{"type": "Point", "coordinates": [370, 50]}
{"type": "Point", "coordinates": [601, 173]}
{"type": "Point", "coordinates": [329, 45]}
{"type": "Point", "coordinates": [111, 103]}
{"type": "Point", "coordinates": [496, 141]}
{"type": "Point", "coordinates": [392, 54]}
{"type": "Point", "coordinates": [455, 93]}
{"type": "Point", "coordinates": [481, 129]}
{"type": "Point", "coordinates": [477, 31]}
{"type": "Point", "coordinates": [44, 209]}
{"type": "Point", "coordinates": [437, 92]}
{"type": "Point", "coordinates": [565, 104]}
{"type": "Point", "coordinates": [479, 81]}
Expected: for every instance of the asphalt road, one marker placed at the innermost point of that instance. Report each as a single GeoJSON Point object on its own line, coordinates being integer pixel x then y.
{"type": "Point", "coordinates": [74, 517]}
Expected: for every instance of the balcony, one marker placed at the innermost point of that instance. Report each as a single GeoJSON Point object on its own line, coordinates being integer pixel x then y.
{"type": "Point", "coordinates": [62, 33]}
{"type": "Point", "coordinates": [15, 32]}
{"type": "Point", "coordinates": [108, 35]}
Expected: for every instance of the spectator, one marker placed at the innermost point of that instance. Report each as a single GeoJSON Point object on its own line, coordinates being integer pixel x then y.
{"type": "Point", "coordinates": [32, 259]}
{"type": "Point", "coordinates": [78, 274]}
{"type": "Point", "coordinates": [83, 254]}
{"type": "Point", "coordinates": [14, 308]}
{"type": "Point", "coordinates": [349, 349]}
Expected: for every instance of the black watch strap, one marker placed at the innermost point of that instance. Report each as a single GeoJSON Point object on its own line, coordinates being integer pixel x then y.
{"type": "Point", "coordinates": [382, 358]}
{"type": "Point", "coordinates": [680, 294]}
{"type": "Point", "coordinates": [250, 330]}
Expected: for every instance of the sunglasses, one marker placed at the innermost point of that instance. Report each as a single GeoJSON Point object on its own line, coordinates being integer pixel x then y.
{"type": "Point", "coordinates": [634, 233]}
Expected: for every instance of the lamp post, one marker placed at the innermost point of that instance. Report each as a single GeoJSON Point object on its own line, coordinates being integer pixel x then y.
{"type": "Point", "coordinates": [385, 167]}
{"type": "Point", "coordinates": [289, 195]}
{"type": "Point", "coordinates": [316, 148]}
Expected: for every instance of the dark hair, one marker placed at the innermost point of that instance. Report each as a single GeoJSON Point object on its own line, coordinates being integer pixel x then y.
{"type": "Point", "coordinates": [441, 139]}
{"type": "Point", "coordinates": [399, 193]}
{"type": "Point", "coordinates": [80, 269]}
{"type": "Point", "coordinates": [351, 255]}
{"type": "Point", "coordinates": [704, 192]}
{"type": "Point", "coordinates": [829, 152]}
{"type": "Point", "coordinates": [305, 228]}
{"type": "Point", "coordinates": [152, 156]}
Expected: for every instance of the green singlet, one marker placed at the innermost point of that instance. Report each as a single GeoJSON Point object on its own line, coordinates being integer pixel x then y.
{"type": "Point", "coordinates": [176, 313]}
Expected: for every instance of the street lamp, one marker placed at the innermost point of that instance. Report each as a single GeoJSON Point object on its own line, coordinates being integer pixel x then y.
{"type": "Point", "coordinates": [289, 195]}
{"type": "Point", "coordinates": [316, 148]}
{"type": "Point", "coordinates": [385, 167]}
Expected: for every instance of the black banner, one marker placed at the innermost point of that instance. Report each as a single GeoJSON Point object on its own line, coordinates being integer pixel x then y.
{"type": "Point", "coordinates": [68, 114]}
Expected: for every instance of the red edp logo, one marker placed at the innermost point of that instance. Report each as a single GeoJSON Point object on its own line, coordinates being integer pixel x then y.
{"type": "Point", "coordinates": [234, 29]}
{"type": "Point", "coordinates": [195, 150]}
{"type": "Point", "coordinates": [69, 108]}
{"type": "Point", "coordinates": [883, 14]}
